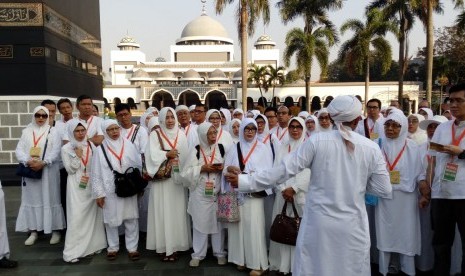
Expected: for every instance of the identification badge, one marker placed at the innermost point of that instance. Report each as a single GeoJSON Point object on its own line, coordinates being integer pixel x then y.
{"type": "Point", "coordinates": [175, 164]}
{"type": "Point", "coordinates": [395, 177]}
{"type": "Point", "coordinates": [450, 171]}
{"type": "Point", "coordinates": [84, 181]}
{"type": "Point", "coordinates": [209, 186]}
{"type": "Point", "coordinates": [374, 136]}
{"type": "Point", "coordinates": [35, 152]}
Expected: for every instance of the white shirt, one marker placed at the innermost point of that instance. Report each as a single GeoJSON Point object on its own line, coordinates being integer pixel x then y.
{"type": "Point", "coordinates": [141, 138]}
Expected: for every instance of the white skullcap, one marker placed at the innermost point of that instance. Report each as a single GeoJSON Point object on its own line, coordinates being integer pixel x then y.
{"type": "Point", "coordinates": [192, 107]}
{"type": "Point", "coordinates": [344, 108]}
{"type": "Point", "coordinates": [181, 107]}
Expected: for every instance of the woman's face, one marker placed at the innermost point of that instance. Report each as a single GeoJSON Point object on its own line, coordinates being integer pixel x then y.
{"type": "Point", "coordinates": [310, 124]}
{"type": "Point", "coordinates": [113, 131]}
{"type": "Point", "coordinates": [41, 117]}
{"type": "Point", "coordinates": [215, 119]}
{"type": "Point", "coordinates": [431, 129]}
{"type": "Point", "coordinates": [413, 124]}
{"type": "Point", "coordinates": [79, 133]}
{"type": "Point", "coordinates": [249, 132]}
{"type": "Point", "coordinates": [223, 119]}
{"type": "Point", "coordinates": [170, 121]}
{"type": "Point", "coordinates": [235, 128]}
{"type": "Point", "coordinates": [295, 130]}
{"type": "Point", "coordinates": [392, 129]}
{"type": "Point", "coordinates": [211, 135]}
{"type": "Point", "coordinates": [260, 124]}
{"type": "Point", "coordinates": [325, 121]}
{"type": "Point", "coordinates": [147, 119]}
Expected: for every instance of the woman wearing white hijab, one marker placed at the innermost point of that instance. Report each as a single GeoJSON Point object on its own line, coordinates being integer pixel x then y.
{"type": "Point", "coordinates": [225, 118]}
{"type": "Point", "coordinates": [426, 112]}
{"type": "Point", "coordinates": [247, 243]}
{"type": "Point", "coordinates": [85, 231]}
{"type": "Point", "coordinates": [148, 114]}
{"type": "Point", "coordinates": [214, 116]}
{"type": "Point", "coordinates": [397, 219]}
{"type": "Point", "coordinates": [294, 189]}
{"type": "Point", "coordinates": [414, 132]}
{"type": "Point", "coordinates": [167, 230]}
{"type": "Point", "coordinates": [303, 115]}
{"type": "Point", "coordinates": [238, 114]}
{"type": "Point", "coordinates": [122, 154]}
{"type": "Point", "coordinates": [203, 169]}
{"type": "Point", "coordinates": [265, 136]}
{"type": "Point", "coordinates": [312, 126]}
{"type": "Point", "coordinates": [40, 208]}
{"type": "Point", "coordinates": [324, 120]}
{"type": "Point", "coordinates": [234, 130]}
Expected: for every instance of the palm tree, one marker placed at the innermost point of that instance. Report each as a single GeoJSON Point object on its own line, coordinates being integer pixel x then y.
{"type": "Point", "coordinates": [248, 13]}
{"type": "Point", "coordinates": [306, 46]}
{"type": "Point", "coordinates": [316, 20]}
{"type": "Point", "coordinates": [399, 11]}
{"type": "Point", "coordinates": [357, 52]}
{"type": "Point", "coordinates": [275, 76]}
{"type": "Point", "coordinates": [258, 75]}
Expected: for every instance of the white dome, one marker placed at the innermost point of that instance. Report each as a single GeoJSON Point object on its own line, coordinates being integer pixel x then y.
{"type": "Point", "coordinates": [166, 75]}
{"type": "Point", "coordinates": [217, 75]}
{"type": "Point", "coordinates": [204, 28]}
{"type": "Point", "coordinates": [140, 75]}
{"type": "Point", "coordinates": [128, 42]}
{"type": "Point", "coordinates": [191, 75]}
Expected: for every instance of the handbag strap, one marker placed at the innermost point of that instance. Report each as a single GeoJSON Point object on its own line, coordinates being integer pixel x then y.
{"type": "Point", "coordinates": [283, 211]}
{"type": "Point", "coordinates": [106, 157]}
{"type": "Point", "coordinates": [160, 141]}
{"type": "Point", "coordinates": [239, 155]}
{"type": "Point", "coordinates": [46, 143]}
{"type": "Point", "coordinates": [135, 134]}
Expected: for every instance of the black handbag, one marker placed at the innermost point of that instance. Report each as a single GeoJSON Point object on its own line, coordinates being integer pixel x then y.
{"type": "Point", "coordinates": [25, 171]}
{"type": "Point", "coordinates": [285, 229]}
{"type": "Point", "coordinates": [128, 183]}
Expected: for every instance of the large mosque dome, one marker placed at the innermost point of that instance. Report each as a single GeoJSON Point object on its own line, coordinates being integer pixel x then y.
{"type": "Point", "coordinates": [204, 30]}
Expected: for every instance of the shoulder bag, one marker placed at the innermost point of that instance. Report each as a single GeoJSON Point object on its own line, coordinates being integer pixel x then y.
{"type": "Point", "coordinates": [284, 228]}
{"type": "Point", "coordinates": [25, 171]}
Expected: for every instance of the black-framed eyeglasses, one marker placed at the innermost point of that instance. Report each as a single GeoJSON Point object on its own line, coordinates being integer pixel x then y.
{"type": "Point", "coordinates": [37, 115]}
{"type": "Point", "coordinates": [295, 127]}
{"type": "Point", "coordinates": [392, 125]}
{"type": "Point", "coordinates": [250, 129]}
{"type": "Point", "coordinates": [372, 107]}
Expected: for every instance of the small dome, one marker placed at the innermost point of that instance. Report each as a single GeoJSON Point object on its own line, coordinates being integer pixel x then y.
{"type": "Point", "coordinates": [128, 42]}
{"type": "Point", "coordinates": [264, 40]}
{"type": "Point", "coordinates": [166, 75]}
{"type": "Point", "coordinates": [140, 75]}
{"type": "Point", "coordinates": [237, 76]}
{"type": "Point", "coordinates": [217, 75]}
{"type": "Point", "coordinates": [160, 59]}
{"type": "Point", "coordinates": [204, 28]}
{"type": "Point", "coordinates": [191, 75]}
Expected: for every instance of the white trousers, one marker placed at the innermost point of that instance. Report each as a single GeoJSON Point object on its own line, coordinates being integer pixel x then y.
{"type": "Point", "coordinates": [4, 246]}
{"type": "Point", "coordinates": [131, 235]}
{"type": "Point", "coordinates": [200, 244]}
{"type": "Point", "coordinates": [407, 263]}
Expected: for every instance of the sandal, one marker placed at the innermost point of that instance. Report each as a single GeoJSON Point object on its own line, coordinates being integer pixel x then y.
{"type": "Point", "coordinates": [172, 258]}
{"type": "Point", "coordinates": [111, 255]}
{"type": "Point", "coordinates": [134, 256]}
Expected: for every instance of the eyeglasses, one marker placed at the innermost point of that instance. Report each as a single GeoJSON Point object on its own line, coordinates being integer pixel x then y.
{"type": "Point", "coordinates": [113, 129]}
{"type": "Point", "coordinates": [392, 125]}
{"type": "Point", "coordinates": [214, 118]}
{"type": "Point", "coordinates": [250, 129]}
{"type": "Point", "coordinates": [413, 121]}
{"type": "Point", "coordinates": [372, 107]}
{"type": "Point", "coordinates": [43, 116]}
{"type": "Point", "coordinates": [295, 127]}
{"type": "Point", "coordinates": [456, 100]}
{"type": "Point", "coordinates": [260, 123]}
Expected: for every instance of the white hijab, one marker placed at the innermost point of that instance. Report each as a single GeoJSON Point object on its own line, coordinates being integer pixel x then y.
{"type": "Point", "coordinates": [43, 128]}
{"type": "Point", "coordinates": [170, 133]}
{"type": "Point", "coordinates": [147, 113]}
{"type": "Point", "coordinates": [317, 125]}
{"type": "Point", "coordinates": [202, 131]}
{"type": "Point", "coordinates": [154, 121]}
{"type": "Point", "coordinates": [234, 137]}
{"type": "Point", "coordinates": [321, 112]}
{"type": "Point", "coordinates": [71, 125]}
{"type": "Point", "coordinates": [117, 144]}
{"type": "Point", "coordinates": [210, 112]}
{"type": "Point", "coordinates": [428, 111]}
{"type": "Point", "coordinates": [227, 116]}
{"type": "Point", "coordinates": [245, 145]}
{"type": "Point", "coordinates": [262, 136]}
{"type": "Point", "coordinates": [392, 147]}
{"type": "Point", "coordinates": [419, 136]}
{"type": "Point", "coordinates": [292, 142]}
{"type": "Point", "coordinates": [303, 114]}
{"type": "Point", "coordinates": [238, 110]}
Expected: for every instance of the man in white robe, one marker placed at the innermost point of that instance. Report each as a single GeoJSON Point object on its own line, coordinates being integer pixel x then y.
{"type": "Point", "coordinates": [5, 261]}
{"type": "Point", "coordinates": [334, 237]}
{"type": "Point", "coordinates": [185, 124]}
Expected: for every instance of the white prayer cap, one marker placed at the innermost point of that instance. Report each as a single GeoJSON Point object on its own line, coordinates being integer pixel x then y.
{"type": "Point", "coordinates": [181, 107]}
{"type": "Point", "coordinates": [344, 108]}
{"type": "Point", "coordinates": [438, 119]}
{"type": "Point", "coordinates": [192, 107]}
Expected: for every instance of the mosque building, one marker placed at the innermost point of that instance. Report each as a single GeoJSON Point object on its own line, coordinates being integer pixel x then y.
{"type": "Point", "coordinates": [202, 69]}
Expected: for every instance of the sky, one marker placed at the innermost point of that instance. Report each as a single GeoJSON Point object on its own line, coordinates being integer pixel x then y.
{"type": "Point", "coordinates": [156, 24]}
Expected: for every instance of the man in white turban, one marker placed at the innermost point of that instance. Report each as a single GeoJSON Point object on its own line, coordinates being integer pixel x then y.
{"type": "Point", "coordinates": [333, 236]}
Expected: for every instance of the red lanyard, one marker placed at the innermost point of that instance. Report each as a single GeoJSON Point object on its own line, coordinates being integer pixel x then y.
{"type": "Point", "coordinates": [371, 129]}
{"type": "Point", "coordinates": [168, 140]}
{"type": "Point", "coordinates": [244, 161]}
{"type": "Point", "coordinates": [120, 156]}
{"type": "Point", "coordinates": [266, 139]}
{"type": "Point", "coordinates": [84, 162]}
{"type": "Point", "coordinates": [282, 135]}
{"type": "Point", "coordinates": [38, 139]}
{"type": "Point", "coordinates": [456, 142]}
{"type": "Point", "coordinates": [187, 129]}
{"type": "Point", "coordinates": [90, 122]}
{"type": "Point", "coordinates": [130, 132]}
{"type": "Point", "coordinates": [391, 167]}
{"type": "Point", "coordinates": [205, 157]}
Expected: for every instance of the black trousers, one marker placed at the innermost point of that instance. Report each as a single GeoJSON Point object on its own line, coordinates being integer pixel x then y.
{"type": "Point", "coordinates": [63, 184]}
{"type": "Point", "coordinates": [445, 215]}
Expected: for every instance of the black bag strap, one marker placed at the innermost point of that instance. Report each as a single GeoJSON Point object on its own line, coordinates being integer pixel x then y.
{"type": "Point", "coordinates": [160, 141]}
{"type": "Point", "coordinates": [283, 211]}
{"type": "Point", "coordinates": [272, 148]}
{"type": "Point", "coordinates": [239, 156]}
{"type": "Point", "coordinates": [106, 157]}
{"type": "Point", "coordinates": [365, 125]}
{"type": "Point", "coordinates": [46, 143]}
{"type": "Point", "coordinates": [135, 134]}
{"type": "Point", "coordinates": [220, 146]}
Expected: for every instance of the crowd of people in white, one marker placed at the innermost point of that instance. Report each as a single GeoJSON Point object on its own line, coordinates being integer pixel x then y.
{"type": "Point", "coordinates": [385, 178]}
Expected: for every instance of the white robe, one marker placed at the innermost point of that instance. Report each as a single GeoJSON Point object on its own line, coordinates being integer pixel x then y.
{"type": "Point", "coordinates": [167, 230]}
{"type": "Point", "coordinates": [40, 208]}
{"type": "Point", "coordinates": [333, 236]}
{"type": "Point", "coordinates": [85, 233]}
{"type": "Point", "coordinates": [4, 246]}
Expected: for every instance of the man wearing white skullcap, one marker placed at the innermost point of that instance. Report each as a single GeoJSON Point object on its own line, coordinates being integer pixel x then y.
{"type": "Point", "coordinates": [333, 236]}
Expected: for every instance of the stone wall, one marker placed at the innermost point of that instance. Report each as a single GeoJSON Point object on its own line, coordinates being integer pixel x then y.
{"type": "Point", "coordinates": [15, 115]}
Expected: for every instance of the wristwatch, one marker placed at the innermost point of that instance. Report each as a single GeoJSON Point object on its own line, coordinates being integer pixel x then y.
{"type": "Point", "coordinates": [461, 155]}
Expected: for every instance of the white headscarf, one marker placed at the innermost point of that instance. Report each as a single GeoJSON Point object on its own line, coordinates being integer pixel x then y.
{"type": "Point", "coordinates": [192, 107]}
{"type": "Point", "coordinates": [238, 110]}
{"type": "Point", "coordinates": [116, 145]}
{"type": "Point", "coordinates": [227, 116]}
{"type": "Point", "coordinates": [322, 112]}
{"type": "Point", "coordinates": [202, 131]}
{"type": "Point", "coordinates": [392, 147]}
{"type": "Point", "coordinates": [253, 112]}
{"type": "Point", "coordinates": [170, 133]}
{"type": "Point", "coordinates": [428, 111]}
{"type": "Point", "coordinates": [245, 145]}
{"type": "Point", "coordinates": [147, 113]}
{"type": "Point", "coordinates": [262, 136]}
{"type": "Point", "coordinates": [419, 136]}
{"type": "Point", "coordinates": [71, 125]}
{"type": "Point", "coordinates": [234, 137]}
{"type": "Point", "coordinates": [43, 128]}
{"type": "Point", "coordinates": [152, 123]}
{"type": "Point", "coordinates": [317, 125]}
{"type": "Point", "coordinates": [303, 114]}
{"type": "Point", "coordinates": [292, 142]}
{"type": "Point", "coordinates": [345, 109]}
{"type": "Point", "coordinates": [210, 112]}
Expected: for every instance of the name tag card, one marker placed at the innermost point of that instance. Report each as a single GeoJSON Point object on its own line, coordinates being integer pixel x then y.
{"type": "Point", "coordinates": [374, 136]}
{"type": "Point", "coordinates": [35, 152]}
{"type": "Point", "coordinates": [209, 186]}
{"type": "Point", "coordinates": [450, 171]}
{"type": "Point", "coordinates": [395, 177]}
{"type": "Point", "coordinates": [84, 181]}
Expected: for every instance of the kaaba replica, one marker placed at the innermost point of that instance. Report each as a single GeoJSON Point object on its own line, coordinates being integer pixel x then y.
{"type": "Point", "coordinates": [50, 47]}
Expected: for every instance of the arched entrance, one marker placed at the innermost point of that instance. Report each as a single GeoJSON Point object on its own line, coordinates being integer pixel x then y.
{"type": "Point", "coordinates": [188, 98]}
{"type": "Point", "coordinates": [162, 99]}
{"type": "Point", "coordinates": [216, 99]}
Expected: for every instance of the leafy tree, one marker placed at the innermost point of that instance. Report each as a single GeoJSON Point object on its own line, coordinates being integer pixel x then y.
{"type": "Point", "coordinates": [275, 76]}
{"type": "Point", "coordinates": [258, 76]}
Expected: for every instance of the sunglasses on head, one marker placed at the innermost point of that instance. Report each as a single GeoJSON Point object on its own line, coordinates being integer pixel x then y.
{"type": "Point", "coordinates": [37, 115]}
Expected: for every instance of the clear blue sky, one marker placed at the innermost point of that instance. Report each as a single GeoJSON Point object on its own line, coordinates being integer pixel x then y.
{"type": "Point", "coordinates": [156, 24]}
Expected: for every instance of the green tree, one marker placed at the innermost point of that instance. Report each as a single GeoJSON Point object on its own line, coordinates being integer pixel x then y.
{"type": "Point", "coordinates": [248, 13]}
{"type": "Point", "coordinates": [367, 43]}
{"type": "Point", "coordinates": [275, 76]}
{"type": "Point", "coordinates": [258, 76]}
